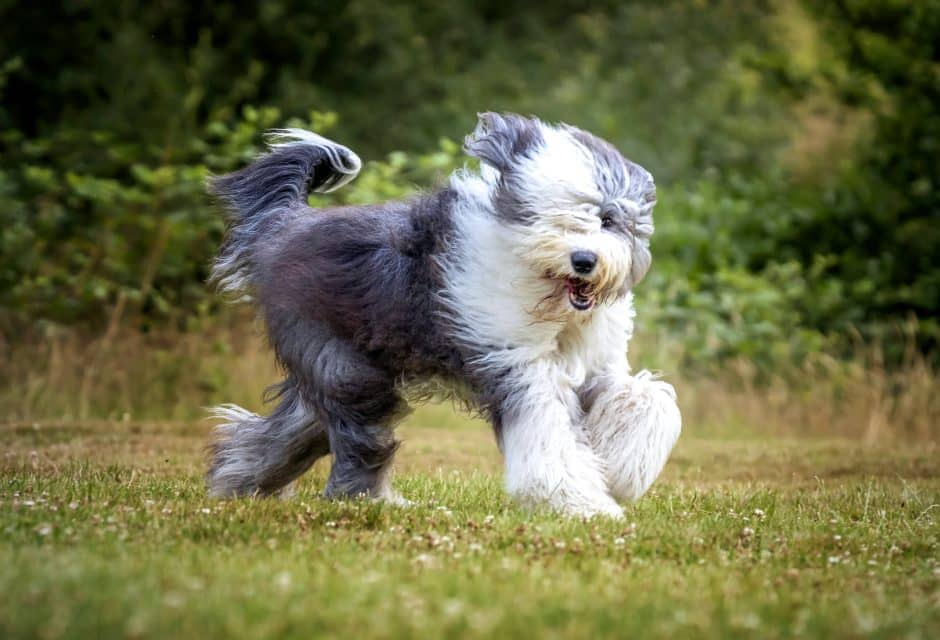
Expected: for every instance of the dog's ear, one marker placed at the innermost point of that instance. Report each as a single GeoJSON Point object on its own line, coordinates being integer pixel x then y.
{"type": "Point", "coordinates": [500, 140]}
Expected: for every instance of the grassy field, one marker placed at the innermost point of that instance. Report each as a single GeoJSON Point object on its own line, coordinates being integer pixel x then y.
{"type": "Point", "coordinates": [106, 531]}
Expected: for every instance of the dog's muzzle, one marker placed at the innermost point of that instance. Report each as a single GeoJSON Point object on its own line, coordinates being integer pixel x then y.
{"type": "Point", "coordinates": [581, 293]}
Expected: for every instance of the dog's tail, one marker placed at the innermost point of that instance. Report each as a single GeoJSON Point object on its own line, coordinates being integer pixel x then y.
{"type": "Point", "coordinates": [271, 190]}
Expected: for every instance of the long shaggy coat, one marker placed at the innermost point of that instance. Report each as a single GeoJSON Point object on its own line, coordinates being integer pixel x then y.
{"type": "Point", "coordinates": [510, 288]}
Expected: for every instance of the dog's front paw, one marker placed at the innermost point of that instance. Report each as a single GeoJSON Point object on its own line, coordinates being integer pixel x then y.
{"type": "Point", "coordinates": [570, 503]}
{"type": "Point", "coordinates": [606, 509]}
{"type": "Point", "coordinates": [633, 429]}
{"type": "Point", "coordinates": [597, 505]}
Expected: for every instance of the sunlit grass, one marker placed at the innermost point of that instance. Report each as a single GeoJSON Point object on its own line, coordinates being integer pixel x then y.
{"type": "Point", "coordinates": [106, 531]}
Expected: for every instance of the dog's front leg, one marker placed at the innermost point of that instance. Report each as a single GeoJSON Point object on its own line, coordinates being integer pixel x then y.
{"type": "Point", "coordinates": [633, 422]}
{"type": "Point", "coordinates": [546, 460]}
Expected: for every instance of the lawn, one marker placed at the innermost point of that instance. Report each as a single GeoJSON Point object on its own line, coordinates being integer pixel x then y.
{"type": "Point", "coordinates": [106, 531]}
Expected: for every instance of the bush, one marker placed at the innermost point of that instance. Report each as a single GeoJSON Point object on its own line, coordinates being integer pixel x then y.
{"type": "Point", "coordinates": [127, 230]}
{"type": "Point", "coordinates": [112, 119]}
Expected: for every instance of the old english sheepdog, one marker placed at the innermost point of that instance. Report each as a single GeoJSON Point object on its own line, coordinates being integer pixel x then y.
{"type": "Point", "coordinates": [510, 287]}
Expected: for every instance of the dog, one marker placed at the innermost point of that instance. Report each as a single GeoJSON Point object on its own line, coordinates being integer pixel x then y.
{"type": "Point", "coordinates": [511, 287]}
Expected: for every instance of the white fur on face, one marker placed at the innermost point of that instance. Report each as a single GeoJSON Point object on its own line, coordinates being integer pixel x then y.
{"type": "Point", "coordinates": [557, 184]}
{"type": "Point", "coordinates": [561, 185]}
{"type": "Point", "coordinates": [505, 278]}
{"type": "Point", "coordinates": [557, 179]}
{"type": "Point", "coordinates": [552, 238]}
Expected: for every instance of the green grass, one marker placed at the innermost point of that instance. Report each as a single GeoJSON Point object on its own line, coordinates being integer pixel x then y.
{"type": "Point", "coordinates": [105, 531]}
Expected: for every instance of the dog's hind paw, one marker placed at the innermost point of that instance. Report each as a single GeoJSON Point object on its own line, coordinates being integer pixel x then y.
{"type": "Point", "coordinates": [393, 498]}
{"type": "Point", "coordinates": [399, 501]}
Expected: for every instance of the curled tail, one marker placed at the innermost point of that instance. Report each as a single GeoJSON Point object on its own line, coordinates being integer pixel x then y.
{"type": "Point", "coordinates": [266, 192]}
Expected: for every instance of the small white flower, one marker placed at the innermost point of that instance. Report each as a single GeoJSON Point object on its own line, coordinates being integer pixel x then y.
{"type": "Point", "coordinates": [452, 607]}
{"type": "Point", "coordinates": [283, 580]}
{"type": "Point", "coordinates": [174, 600]}
{"type": "Point", "coordinates": [424, 559]}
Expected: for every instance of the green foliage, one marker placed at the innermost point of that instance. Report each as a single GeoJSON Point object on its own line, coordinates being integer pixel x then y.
{"type": "Point", "coordinates": [128, 226]}
{"type": "Point", "coordinates": [870, 234]}
{"type": "Point", "coordinates": [772, 265]}
{"type": "Point", "coordinates": [114, 113]}
{"type": "Point", "coordinates": [88, 219]}
{"type": "Point", "coordinates": [401, 74]}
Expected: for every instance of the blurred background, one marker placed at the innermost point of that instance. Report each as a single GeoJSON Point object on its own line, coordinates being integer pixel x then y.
{"type": "Point", "coordinates": [796, 276]}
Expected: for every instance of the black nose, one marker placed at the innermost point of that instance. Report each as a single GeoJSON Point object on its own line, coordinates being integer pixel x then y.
{"type": "Point", "coordinates": [583, 261]}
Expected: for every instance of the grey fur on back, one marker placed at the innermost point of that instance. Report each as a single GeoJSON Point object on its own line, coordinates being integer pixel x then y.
{"type": "Point", "coordinates": [348, 295]}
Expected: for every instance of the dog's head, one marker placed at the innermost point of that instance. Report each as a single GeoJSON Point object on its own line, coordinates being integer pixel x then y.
{"type": "Point", "coordinates": [582, 211]}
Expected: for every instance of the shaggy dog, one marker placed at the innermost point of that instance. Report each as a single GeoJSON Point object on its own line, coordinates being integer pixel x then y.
{"type": "Point", "coordinates": [510, 287]}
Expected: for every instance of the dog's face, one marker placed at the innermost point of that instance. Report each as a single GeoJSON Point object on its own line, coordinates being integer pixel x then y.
{"type": "Point", "coordinates": [582, 211]}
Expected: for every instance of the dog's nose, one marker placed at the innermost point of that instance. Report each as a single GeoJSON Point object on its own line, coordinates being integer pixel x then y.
{"type": "Point", "coordinates": [583, 261]}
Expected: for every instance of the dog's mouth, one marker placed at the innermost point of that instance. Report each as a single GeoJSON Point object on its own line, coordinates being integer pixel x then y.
{"type": "Point", "coordinates": [581, 294]}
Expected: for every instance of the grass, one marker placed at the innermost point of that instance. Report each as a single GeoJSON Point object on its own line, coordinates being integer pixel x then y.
{"type": "Point", "coordinates": [169, 374]}
{"type": "Point", "coordinates": [105, 531]}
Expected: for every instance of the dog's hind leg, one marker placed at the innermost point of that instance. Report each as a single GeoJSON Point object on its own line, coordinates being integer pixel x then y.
{"type": "Point", "coordinates": [362, 461]}
{"type": "Point", "coordinates": [359, 404]}
{"type": "Point", "coordinates": [258, 455]}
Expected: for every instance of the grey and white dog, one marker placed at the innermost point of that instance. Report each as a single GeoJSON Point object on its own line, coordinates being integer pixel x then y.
{"type": "Point", "coordinates": [511, 287]}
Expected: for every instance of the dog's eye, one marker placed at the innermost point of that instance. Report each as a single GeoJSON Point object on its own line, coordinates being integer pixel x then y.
{"type": "Point", "coordinates": [607, 221]}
